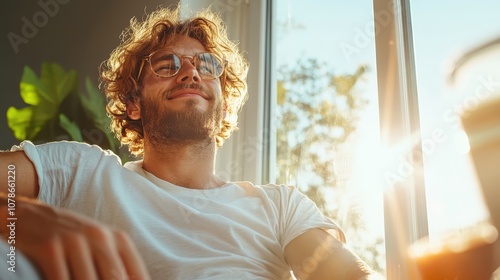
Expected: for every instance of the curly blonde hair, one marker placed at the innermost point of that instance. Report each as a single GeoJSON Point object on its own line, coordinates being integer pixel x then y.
{"type": "Point", "coordinates": [119, 73]}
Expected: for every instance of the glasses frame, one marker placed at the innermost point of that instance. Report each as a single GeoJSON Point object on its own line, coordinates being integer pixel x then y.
{"type": "Point", "coordinates": [182, 57]}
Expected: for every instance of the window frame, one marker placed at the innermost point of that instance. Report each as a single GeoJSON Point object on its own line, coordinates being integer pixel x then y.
{"type": "Point", "coordinates": [399, 123]}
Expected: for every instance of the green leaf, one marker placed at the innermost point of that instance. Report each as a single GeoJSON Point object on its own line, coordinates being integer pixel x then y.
{"type": "Point", "coordinates": [29, 94]}
{"type": "Point", "coordinates": [94, 105]}
{"type": "Point", "coordinates": [22, 123]}
{"type": "Point", "coordinates": [58, 82]}
{"type": "Point", "coordinates": [71, 128]}
{"type": "Point", "coordinates": [30, 81]}
{"type": "Point", "coordinates": [45, 95]}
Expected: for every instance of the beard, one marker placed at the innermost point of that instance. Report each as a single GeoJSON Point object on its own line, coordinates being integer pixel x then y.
{"type": "Point", "coordinates": [187, 126]}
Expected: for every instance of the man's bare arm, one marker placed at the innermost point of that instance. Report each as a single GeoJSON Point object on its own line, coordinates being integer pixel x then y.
{"type": "Point", "coordinates": [61, 244]}
{"type": "Point", "coordinates": [316, 254]}
{"type": "Point", "coordinates": [16, 167]}
{"type": "Point", "coordinates": [65, 245]}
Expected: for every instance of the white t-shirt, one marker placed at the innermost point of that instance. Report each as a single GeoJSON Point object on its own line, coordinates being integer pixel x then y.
{"type": "Point", "coordinates": [237, 231]}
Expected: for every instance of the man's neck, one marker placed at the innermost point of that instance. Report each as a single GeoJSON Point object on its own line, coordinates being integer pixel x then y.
{"type": "Point", "coordinates": [185, 165]}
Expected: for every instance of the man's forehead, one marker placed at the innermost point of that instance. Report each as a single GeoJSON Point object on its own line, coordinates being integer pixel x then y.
{"type": "Point", "coordinates": [183, 45]}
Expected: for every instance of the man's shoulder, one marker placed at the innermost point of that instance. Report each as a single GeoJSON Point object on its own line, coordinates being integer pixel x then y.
{"type": "Point", "coordinates": [77, 146]}
{"type": "Point", "coordinates": [270, 188]}
{"type": "Point", "coordinates": [63, 150]}
{"type": "Point", "coordinates": [62, 144]}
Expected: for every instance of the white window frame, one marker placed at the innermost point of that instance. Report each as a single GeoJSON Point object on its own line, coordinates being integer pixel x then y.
{"type": "Point", "coordinates": [404, 203]}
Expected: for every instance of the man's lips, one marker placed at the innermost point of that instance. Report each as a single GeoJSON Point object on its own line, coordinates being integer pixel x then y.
{"type": "Point", "coordinates": [187, 93]}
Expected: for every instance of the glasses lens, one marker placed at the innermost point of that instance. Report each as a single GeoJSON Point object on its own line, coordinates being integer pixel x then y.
{"type": "Point", "coordinates": [208, 65]}
{"type": "Point", "coordinates": [165, 64]}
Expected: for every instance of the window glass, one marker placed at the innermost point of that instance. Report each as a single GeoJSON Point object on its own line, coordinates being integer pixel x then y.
{"type": "Point", "coordinates": [443, 30]}
{"type": "Point", "coordinates": [326, 116]}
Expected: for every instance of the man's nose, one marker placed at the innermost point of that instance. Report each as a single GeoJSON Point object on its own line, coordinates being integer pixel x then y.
{"type": "Point", "coordinates": [188, 72]}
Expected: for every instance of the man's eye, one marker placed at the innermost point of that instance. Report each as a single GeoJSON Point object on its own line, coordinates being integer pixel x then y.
{"type": "Point", "coordinates": [166, 66]}
{"type": "Point", "coordinates": [206, 69]}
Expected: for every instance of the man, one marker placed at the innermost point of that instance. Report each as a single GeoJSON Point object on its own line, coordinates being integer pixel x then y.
{"type": "Point", "coordinates": [174, 89]}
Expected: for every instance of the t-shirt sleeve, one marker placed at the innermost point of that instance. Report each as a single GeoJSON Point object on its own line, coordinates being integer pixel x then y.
{"type": "Point", "coordinates": [59, 165]}
{"type": "Point", "coordinates": [299, 214]}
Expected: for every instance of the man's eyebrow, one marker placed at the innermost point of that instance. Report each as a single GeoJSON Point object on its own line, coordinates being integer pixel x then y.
{"type": "Point", "coordinates": [163, 56]}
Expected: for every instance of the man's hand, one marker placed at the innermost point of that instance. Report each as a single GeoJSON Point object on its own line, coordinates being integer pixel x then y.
{"type": "Point", "coordinates": [65, 245]}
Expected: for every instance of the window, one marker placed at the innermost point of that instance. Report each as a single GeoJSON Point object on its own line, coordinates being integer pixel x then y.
{"type": "Point", "coordinates": [326, 115]}
{"type": "Point", "coordinates": [442, 32]}
{"type": "Point", "coordinates": [411, 46]}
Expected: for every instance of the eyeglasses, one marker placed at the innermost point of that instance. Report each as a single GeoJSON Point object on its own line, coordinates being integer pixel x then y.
{"type": "Point", "coordinates": [167, 64]}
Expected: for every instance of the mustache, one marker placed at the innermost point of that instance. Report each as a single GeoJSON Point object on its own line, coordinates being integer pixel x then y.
{"type": "Point", "coordinates": [169, 92]}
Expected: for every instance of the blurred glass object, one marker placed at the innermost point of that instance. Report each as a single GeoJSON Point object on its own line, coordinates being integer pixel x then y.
{"type": "Point", "coordinates": [476, 75]}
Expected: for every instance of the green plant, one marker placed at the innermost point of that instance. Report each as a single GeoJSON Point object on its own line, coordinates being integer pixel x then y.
{"type": "Point", "coordinates": [58, 110]}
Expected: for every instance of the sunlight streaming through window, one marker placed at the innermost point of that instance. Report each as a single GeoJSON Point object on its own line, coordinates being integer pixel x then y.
{"type": "Point", "coordinates": [327, 115]}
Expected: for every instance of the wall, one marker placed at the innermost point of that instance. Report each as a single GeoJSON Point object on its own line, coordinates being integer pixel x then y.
{"type": "Point", "coordinates": [78, 34]}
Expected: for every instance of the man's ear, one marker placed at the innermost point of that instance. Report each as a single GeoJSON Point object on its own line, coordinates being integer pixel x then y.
{"type": "Point", "coordinates": [133, 110]}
